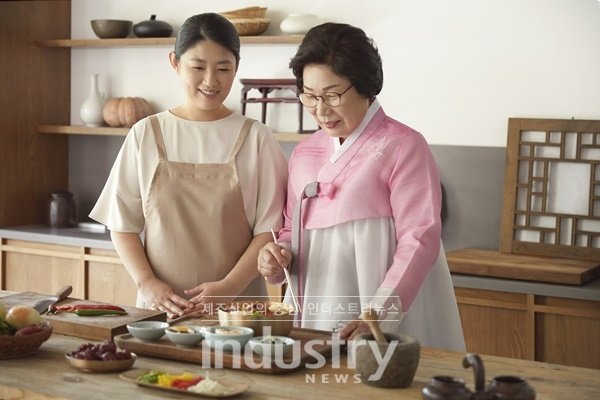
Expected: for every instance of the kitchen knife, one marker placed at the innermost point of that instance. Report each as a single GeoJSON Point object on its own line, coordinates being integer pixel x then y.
{"type": "Point", "coordinates": [42, 305]}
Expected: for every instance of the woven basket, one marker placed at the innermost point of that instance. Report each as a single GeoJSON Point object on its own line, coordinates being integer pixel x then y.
{"type": "Point", "coordinates": [250, 26]}
{"type": "Point", "coordinates": [21, 346]}
{"type": "Point", "coordinates": [248, 12]}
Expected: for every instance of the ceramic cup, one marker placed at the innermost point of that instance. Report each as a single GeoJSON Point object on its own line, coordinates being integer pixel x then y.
{"type": "Point", "coordinates": [507, 387]}
{"type": "Point", "coordinates": [399, 371]}
{"type": "Point", "coordinates": [442, 387]}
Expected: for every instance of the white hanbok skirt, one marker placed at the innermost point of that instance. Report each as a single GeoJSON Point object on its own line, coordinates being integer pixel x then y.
{"type": "Point", "coordinates": [344, 268]}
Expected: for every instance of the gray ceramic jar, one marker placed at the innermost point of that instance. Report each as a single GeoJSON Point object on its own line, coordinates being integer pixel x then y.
{"type": "Point", "coordinates": [62, 212]}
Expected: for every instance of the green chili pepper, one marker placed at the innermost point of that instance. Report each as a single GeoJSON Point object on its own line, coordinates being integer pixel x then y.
{"type": "Point", "coordinates": [97, 311]}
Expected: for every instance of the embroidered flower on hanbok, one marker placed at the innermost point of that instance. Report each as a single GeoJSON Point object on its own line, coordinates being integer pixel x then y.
{"type": "Point", "coordinates": [376, 150]}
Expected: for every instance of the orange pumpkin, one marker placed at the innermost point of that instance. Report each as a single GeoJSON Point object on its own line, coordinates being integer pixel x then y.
{"type": "Point", "coordinates": [125, 111]}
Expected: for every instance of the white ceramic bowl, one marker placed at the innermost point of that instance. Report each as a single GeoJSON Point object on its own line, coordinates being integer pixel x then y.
{"type": "Point", "coordinates": [277, 316]}
{"type": "Point", "coordinates": [147, 331]}
{"type": "Point", "coordinates": [271, 346]}
{"type": "Point", "coordinates": [185, 336]}
{"type": "Point", "coordinates": [228, 338]}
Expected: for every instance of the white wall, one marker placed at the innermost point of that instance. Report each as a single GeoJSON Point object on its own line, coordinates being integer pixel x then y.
{"type": "Point", "coordinates": [454, 70]}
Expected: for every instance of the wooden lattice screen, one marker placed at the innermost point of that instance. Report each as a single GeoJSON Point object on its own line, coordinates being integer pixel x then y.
{"type": "Point", "coordinates": [552, 189]}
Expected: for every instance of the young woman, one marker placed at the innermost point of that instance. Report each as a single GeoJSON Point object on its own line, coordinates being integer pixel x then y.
{"type": "Point", "coordinates": [204, 184]}
{"type": "Point", "coordinates": [364, 198]}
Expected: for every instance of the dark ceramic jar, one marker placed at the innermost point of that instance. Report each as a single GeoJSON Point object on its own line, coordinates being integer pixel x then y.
{"type": "Point", "coordinates": [61, 210]}
{"type": "Point", "coordinates": [443, 387]}
{"type": "Point", "coordinates": [152, 28]}
{"type": "Point", "coordinates": [510, 388]}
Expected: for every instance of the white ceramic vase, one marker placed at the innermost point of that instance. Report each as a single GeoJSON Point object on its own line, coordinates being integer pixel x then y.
{"type": "Point", "coordinates": [91, 109]}
{"type": "Point", "coordinates": [299, 24]}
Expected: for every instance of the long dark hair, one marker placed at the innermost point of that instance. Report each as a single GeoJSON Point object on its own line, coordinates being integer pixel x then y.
{"type": "Point", "coordinates": [347, 51]}
{"type": "Point", "coordinates": [207, 26]}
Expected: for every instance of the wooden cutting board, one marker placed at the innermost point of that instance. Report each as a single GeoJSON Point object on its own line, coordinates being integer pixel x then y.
{"type": "Point", "coordinates": [564, 271]}
{"type": "Point", "coordinates": [204, 355]}
{"type": "Point", "coordinates": [98, 328]}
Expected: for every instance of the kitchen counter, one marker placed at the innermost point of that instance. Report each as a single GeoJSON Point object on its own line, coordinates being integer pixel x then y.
{"type": "Point", "coordinates": [84, 238]}
{"type": "Point", "coordinates": [47, 372]}
{"type": "Point", "coordinates": [76, 236]}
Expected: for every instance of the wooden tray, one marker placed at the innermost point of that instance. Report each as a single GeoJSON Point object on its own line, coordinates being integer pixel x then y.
{"type": "Point", "coordinates": [564, 271]}
{"type": "Point", "coordinates": [95, 328]}
{"type": "Point", "coordinates": [202, 354]}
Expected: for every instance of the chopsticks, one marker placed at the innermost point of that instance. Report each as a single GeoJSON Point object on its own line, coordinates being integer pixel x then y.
{"type": "Point", "coordinates": [288, 279]}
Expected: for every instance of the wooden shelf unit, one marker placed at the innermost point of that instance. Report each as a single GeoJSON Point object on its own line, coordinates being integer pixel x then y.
{"type": "Point", "coordinates": [170, 41]}
{"type": "Point", "coordinates": [109, 131]}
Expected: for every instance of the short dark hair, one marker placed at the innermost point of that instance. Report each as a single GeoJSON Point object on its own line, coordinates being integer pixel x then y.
{"type": "Point", "coordinates": [207, 26]}
{"type": "Point", "coordinates": [347, 51]}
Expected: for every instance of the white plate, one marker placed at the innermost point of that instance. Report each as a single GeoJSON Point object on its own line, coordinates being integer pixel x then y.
{"type": "Point", "coordinates": [236, 388]}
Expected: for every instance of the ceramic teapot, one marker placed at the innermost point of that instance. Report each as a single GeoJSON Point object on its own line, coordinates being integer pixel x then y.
{"type": "Point", "coordinates": [152, 28]}
{"type": "Point", "coordinates": [503, 387]}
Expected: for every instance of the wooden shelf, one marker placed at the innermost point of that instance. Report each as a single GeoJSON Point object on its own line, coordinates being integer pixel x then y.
{"type": "Point", "coordinates": [170, 41]}
{"type": "Point", "coordinates": [109, 131]}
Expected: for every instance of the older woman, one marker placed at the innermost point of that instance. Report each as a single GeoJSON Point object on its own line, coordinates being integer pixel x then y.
{"type": "Point", "coordinates": [364, 199]}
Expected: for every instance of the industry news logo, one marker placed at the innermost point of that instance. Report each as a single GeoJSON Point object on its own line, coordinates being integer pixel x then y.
{"type": "Point", "coordinates": [311, 349]}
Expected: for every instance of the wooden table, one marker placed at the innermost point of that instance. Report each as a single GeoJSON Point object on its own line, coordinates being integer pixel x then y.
{"type": "Point", "coordinates": [48, 373]}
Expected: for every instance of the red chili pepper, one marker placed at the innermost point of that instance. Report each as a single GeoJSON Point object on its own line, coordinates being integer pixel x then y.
{"type": "Point", "coordinates": [84, 312]}
{"type": "Point", "coordinates": [96, 307]}
{"type": "Point", "coordinates": [52, 309]}
{"type": "Point", "coordinates": [184, 383]}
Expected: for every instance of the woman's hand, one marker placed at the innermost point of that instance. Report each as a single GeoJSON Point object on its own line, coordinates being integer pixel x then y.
{"type": "Point", "coordinates": [159, 296]}
{"type": "Point", "coordinates": [272, 259]}
{"type": "Point", "coordinates": [353, 328]}
{"type": "Point", "coordinates": [208, 295]}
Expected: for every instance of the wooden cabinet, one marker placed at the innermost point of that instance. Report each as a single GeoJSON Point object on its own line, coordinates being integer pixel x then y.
{"type": "Point", "coordinates": [35, 89]}
{"type": "Point", "coordinates": [95, 274]}
{"type": "Point", "coordinates": [526, 326]}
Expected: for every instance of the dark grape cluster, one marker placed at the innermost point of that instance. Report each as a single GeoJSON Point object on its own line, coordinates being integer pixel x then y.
{"type": "Point", "coordinates": [106, 351]}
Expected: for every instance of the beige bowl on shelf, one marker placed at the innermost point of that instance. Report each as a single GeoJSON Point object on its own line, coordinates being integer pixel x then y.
{"type": "Point", "coordinates": [111, 28]}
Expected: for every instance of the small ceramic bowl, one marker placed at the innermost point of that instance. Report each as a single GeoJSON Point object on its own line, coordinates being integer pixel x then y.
{"type": "Point", "coordinates": [259, 315]}
{"type": "Point", "coordinates": [271, 346]}
{"type": "Point", "coordinates": [185, 336]}
{"type": "Point", "coordinates": [111, 28]}
{"type": "Point", "coordinates": [228, 338]}
{"type": "Point", "coordinates": [147, 331]}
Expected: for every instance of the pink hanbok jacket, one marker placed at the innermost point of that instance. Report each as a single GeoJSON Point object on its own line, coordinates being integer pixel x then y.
{"type": "Point", "coordinates": [389, 171]}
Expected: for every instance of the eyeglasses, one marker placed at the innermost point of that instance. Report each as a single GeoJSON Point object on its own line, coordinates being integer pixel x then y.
{"type": "Point", "coordinates": [332, 99]}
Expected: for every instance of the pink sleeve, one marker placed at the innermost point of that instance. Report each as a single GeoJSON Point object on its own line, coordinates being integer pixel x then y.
{"type": "Point", "coordinates": [416, 205]}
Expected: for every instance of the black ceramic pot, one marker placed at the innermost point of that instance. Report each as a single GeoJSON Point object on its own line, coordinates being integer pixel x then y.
{"type": "Point", "coordinates": [152, 28]}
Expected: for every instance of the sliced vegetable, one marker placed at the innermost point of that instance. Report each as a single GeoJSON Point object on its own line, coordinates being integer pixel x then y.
{"type": "Point", "coordinates": [90, 313]}
{"type": "Point", "coordinates": [183, 384]}
{"type": "Point", "coordinates": [151, 377]}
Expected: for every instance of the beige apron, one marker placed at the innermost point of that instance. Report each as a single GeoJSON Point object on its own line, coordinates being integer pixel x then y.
{"type": "Point", "coordinates": [196, 226]}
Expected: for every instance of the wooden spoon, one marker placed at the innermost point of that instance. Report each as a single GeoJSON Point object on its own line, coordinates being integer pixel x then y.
{"type": "Point", "coordinates": [370, 317]}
